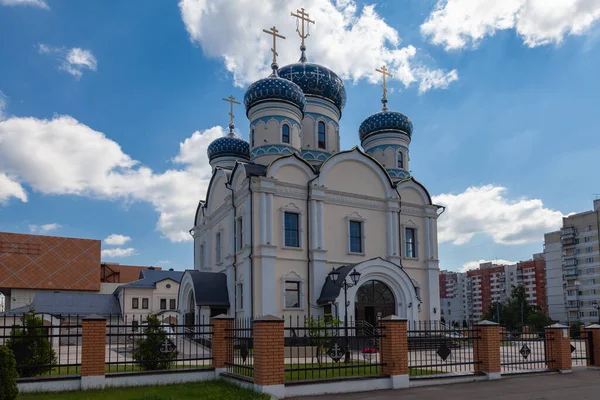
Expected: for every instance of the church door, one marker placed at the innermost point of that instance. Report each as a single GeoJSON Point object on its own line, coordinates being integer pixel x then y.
{"type": "Point", "coordinates": [374, 300]}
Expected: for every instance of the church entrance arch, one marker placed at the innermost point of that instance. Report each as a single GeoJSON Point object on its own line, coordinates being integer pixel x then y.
{"type": "Point", "coordinates": [374, 300]}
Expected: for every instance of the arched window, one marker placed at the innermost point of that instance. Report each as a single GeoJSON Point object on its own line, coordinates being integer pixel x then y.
{"type": "Point", "coordinates": [400, 160]}
{"type": "Point", "coordinates": [321, 135]}
{"type": "Point", "coordinates": [252, 138]}
{"type": "Point", "coordinates": [285, 133]}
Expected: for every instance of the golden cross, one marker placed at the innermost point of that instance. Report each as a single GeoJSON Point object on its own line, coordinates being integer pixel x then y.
{"type": "Point", "coordinates": [273, 31]}
{"type": "Point", "coordinates": [231, 101]}
{"type": "Point", "coordinates": [303, 16]}
{"type": "Point", "coordinates": [384, 72]}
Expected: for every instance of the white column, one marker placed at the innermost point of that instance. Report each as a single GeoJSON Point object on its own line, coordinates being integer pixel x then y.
{"type": "Point", "coordinates": [314, 229]}
{"type": "Point", "coordinates": [269, 218]}
{"type": "Point", "coordinates": [390, 234]}
{"type": "Point", "coordinates": [263, 217]}
{"type": "Point", "coordinates": [320, 226]}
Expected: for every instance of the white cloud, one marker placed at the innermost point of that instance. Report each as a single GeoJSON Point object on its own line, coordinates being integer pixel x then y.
{"type": "Point", "coordinates": [34, 3]}
{"type": "Point", "coordinates": [350, 41]}
{"type": "Point", "coordinates": [74, 60]}
{"type": "Point", "coordinates": [71, 158]}
{"type": "Point", "coordinates": [456, 24]}
{"type": "Point", "coordinates": [47, 228]}
{"type": "Point", "coordinates": [116, 239]}
{"type": "Point", "coordinates": [475, 264]}
{"type": "Point", "coordinates": [487, 210]}
{"type": "Point", "coordinates": [118, 252]}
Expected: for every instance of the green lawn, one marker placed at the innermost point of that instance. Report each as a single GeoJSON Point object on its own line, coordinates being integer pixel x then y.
{"type": "Point", "coordinates": [114, 368]}
{"type": "Point", "coordinates": [213, 390]}
{"type": "Point", "coordinates": [325, 371]}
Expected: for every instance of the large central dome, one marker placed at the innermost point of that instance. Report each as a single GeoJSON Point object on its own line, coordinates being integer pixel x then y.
{"type": "Point", "coordinates": [316, 80]}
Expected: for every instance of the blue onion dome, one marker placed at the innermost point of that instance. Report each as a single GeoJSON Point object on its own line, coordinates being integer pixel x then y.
{"type": "Point", "coordinates": [385, 120]}
{"type": "Point", "coordinates": [316, 80]}
{"type": "Point", "coordinates": [229, 145]}
{"type": "Point", "coordinates": [274, 88]}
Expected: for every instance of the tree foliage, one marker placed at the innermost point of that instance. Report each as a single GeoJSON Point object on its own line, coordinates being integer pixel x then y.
{"type": "Point", "coordinates": [31, 346]}
{"type": "Point", "coordinates": [154, 350]}
{"type": "Point", "coordinates": [8, 374]}
{"type": "Point", "coordinates": [321, 330]}
{"type": "Point", "coordinates": [516, 306]}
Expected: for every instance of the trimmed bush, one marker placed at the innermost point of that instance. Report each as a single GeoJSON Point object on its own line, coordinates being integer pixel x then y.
{"type": "Point", "coordinates": [155, 350]}
{"type": "Point", "coordinates": [32, 347]}
{"type": "Point", "coordinates": [8, 374]}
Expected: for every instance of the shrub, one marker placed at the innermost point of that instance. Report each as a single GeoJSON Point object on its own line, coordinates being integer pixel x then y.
{"type": "Point", "coordinates": [8, 374]}
{"type": "Point", "coordinates": [31, 347]}
{"type": "Point", "coordinates": [155, 350]}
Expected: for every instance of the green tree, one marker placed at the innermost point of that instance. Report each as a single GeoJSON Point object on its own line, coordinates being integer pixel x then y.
{"type": "Point", "coordinates": [154, 350]}
{"type": "Point", "coordinates": [320, 330]}
{"type": "Point", "coordinates": [8, 374]}
{"type": "Point", "coordinates": [517, 311]}
{"type": "Point", "coordinates": [31, 346]}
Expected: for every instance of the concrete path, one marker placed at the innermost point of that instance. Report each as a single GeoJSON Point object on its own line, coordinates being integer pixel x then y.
{"type": "Point", "coordinates": [579, 385]}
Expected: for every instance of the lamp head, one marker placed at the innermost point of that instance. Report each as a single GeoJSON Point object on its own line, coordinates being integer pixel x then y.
{"type": "Point", "coordinates": [355, 276]}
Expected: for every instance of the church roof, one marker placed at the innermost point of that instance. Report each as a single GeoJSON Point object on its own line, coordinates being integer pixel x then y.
{"type": "Point", "coordinates": [385, 121]}
{"type": "Point", "coordinates": [274, 88]}
{"type": "Point", "coordinates": [229, 145]}
{"type": "Point", "coordinates": [210, 288]}
{"type": "Point", "coordinates": [149, 278]}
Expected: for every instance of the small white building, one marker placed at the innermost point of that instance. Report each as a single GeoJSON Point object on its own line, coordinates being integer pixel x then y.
{"type": "Point", "coordinates": [286, 208]}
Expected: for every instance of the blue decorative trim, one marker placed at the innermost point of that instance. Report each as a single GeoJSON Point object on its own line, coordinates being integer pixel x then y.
{"type": "Point", "coordinates": [315, 155]}
{"type": "Point", "coordinates": [277, 118]}
{"type": "Point", "coordinates": [272, 149]}
{"type": "Point", "coordinates": [384, 147]}
{"type": "Point", "coordinates": [398, 173]}
{"type": "Point", "coordinates": [382, 137]}
{"type": "Point", "coordinates": [315, 101]}
{"type": "Point", "coordinates": [317, 116]}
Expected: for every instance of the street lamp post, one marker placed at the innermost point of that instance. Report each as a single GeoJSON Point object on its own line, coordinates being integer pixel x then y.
{"type": "Point", "coordinates": [344, 284]}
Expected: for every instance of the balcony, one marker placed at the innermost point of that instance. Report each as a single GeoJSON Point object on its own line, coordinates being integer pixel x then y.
{"type": "Point", "coordinates": [571, 273]}
{"type": "Point", "coordinates": [570, 262]}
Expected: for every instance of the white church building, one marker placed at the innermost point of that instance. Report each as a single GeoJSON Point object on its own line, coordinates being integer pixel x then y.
{"type": "Point", "coordinates": [286, 208]}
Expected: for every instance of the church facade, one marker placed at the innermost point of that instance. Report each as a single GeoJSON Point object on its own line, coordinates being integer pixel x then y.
{"type": "Point", "coordinates": [288, 206]}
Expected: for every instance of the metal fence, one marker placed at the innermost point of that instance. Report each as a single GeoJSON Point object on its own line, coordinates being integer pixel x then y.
{"type": "Point", "coordinates": [138, 343]}
{"type": "Point", "coordinates": [436, 349]}
{"type": "Point", "coordinates": [240, 348]}
{"type": "Point", "coordinates": [44, 345]}
{"type": "Point", "coordinates": [581, 349]}
{"type": "Point", "coordinates": [524, 352]}
{"type": "Point", "coordinates": [321, 348]}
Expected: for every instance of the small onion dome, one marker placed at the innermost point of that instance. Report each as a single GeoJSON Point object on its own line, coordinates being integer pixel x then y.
{"type": "Point", "coordinates": [274, 88]}
{"type": "Point", "coordinates": [385, 121]}
{"type": "Point", "coordinates": [316, 80]}
{"type": "Point", "coordinates": [229, 145]}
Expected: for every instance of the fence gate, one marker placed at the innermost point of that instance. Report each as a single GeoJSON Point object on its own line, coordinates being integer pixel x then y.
{"type": "Point", "coordinates": [240, 348]}
{"type": "Point", "coordinates": [581, 349]}
{"type": "Point", "coordinates": [522, 352]}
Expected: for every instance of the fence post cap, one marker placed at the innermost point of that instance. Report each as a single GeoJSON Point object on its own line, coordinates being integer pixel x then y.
{"type": "Point", "coordinates": [268, 318]}
{"type": "Point", "coordinates": [593, 326]}
{"type": "Point", "coordinates": [557, 326]}
{"type": "Point", "coordinates": [93, 317]}
{"type": "Point", "coordinates": [394, 318]}
{"type": "Point", "coordinates": [222, 316]}
{"type": "Point", "coordinates": [485, 322]}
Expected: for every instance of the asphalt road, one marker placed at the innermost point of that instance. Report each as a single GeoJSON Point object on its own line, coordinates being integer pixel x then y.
{"type": "Point", "coordinates": [579, 385]}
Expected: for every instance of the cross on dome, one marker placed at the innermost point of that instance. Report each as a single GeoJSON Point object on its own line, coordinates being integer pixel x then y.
{"type": "Point", "coordinates": [384, 72]}
{"type": "Point", "coordinates": [231, 101]}
{"type": "Point", "coordinates": [274, 32]}
{"type": "Point", "coordinates": [302, 18]}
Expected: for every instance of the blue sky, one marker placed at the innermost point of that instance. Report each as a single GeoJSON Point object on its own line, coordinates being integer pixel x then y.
{"type": "Point", "coordinates": [106, 109]}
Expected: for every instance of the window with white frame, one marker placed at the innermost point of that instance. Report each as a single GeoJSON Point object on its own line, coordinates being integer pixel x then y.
{"type": "Point", "coordinates": [291, 228]}
{"type": "Point", "coordinates": [292, 294]}
{"type": "Point", "coordinates": [172, 304]}
{"type": "Point", "coordinates": [355, 229]}
{"type": "Point", "coordinates": [252, 138]}
{"type": "Point", "coordinates": [239, 231]}
{"type": "Point", "coordinates": [218, 247]}
{"type": "Point", "coordinates": [135, 303]}
{"type": "Point", "coordinates": [285, 133]}
{"type": "Point", "coordinates": [400, 162]}
{"type": "Point", "coordinates": [589, 249]}
{"type": "Point", "coordinates": [163, 304]}
{"type": "Point", "coordinates": [410, 242]}
{"type": "Point", "coordinates": [239, 296]}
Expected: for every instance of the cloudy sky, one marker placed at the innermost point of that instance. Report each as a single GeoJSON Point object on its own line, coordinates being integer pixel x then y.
{"type": "Point", "coordinates": [107, 107]}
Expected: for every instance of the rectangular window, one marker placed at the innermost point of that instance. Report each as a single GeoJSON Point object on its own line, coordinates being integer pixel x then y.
{"type": "Point", "coordinates": [591, 281]}
{"type": "Point", "coordinates": [591, 270]}
{"type": "Point", "coordinates": [589, 249]}
{"type": "Point", "coordinates": [593, 313]}
{"type": "Point", "coordinates": [239, 230]}
{"type": "Point", "coordinates": [144, 304]}
{"type": "Point", "coordinates": [590, 260]}
{"type": "Point", "coordinates": [134, 326]}
{"type": "Point", "coordinates": [322, 144]}
{"type": "Point", "coordinates": [240, 296]}
{"type": "Point", "coordinates": [356, 245]}
{"type": "Point", "coordinates": [292, 294]}
{"type": "Point", "coordinates": [172, 304]}
{"type": "Point", "coordinates": [410, 242]}
{"type": "Point", "coordinates": [291, 229]}
{"type": "Point", "coordinates": [587, 239]}
{"type": "Point", "coordinates": [218, 247]}
{"type": "Point", "coordinates": [135, 303]}
{"type": "Point", "coordinates": [163, 304]}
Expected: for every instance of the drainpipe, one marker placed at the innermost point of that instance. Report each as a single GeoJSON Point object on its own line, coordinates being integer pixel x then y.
{"type": "Point", "coordinates": [251, 246]}
{"type": "Point", "coordinates": [308, 215]}
{"type": "Point", "coordinates": [228, 186]}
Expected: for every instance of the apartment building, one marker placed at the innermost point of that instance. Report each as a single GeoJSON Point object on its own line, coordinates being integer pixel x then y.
{"type": "Point", "coordinates": [573, 260]}
{"type": "Point", "coordinates": [470, 294]}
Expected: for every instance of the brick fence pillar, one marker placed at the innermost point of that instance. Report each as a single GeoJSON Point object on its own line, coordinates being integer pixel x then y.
{"type": "Point", "coordinates": [594, 331]}
{"type": "Point", "coordinates": [269, 358]}
{"type": "Point", "coordinates": [221, 347]}
{"type": "Point", "coordinates": [394, 350]}
{"type": "Point", "coordinates": [486, 349]}
{"type": "Point", "coordinates": [558, 348]}
{"type": "Point", "coordinates": [93, 352]}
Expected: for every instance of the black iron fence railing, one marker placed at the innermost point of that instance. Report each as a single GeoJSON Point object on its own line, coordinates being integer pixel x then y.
{"type": "Point", "coordinates": [524, 352]}
{"type": "Point", "coordinates": [44, 345]}
{"type": "Point", "coordinates": [581, 349]}
{"type": "Point", "coordinates": [436, 349]}
{"type": "Point", "coordinates": [150, 343]}
{"type": "Point", "coordinates": [323, 348]}
{"type": "Point", "coordinates": [240, 348]}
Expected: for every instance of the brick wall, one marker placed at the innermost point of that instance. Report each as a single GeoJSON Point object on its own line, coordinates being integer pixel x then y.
{"type": "Point", "coordinates": [219, 346]}
{"type": "Point", "coordinates": [93, 346]}
{"type": "Point", "coordinates": [269, 359]}
{"type": "Point", "coordinates": [394, 346]}
{"type": "Point", "coordinates": [558, 348]}
{"type": "Point", "coordinates": [486, 348]}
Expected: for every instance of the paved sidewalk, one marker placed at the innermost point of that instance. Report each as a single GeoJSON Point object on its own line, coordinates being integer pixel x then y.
{"type": "Point", "coordinates": [579, 385]}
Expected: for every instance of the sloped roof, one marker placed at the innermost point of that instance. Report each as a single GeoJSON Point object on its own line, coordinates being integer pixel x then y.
{"type": "Point", "coordinates": [210, 288]}
{"type": "Point", "coordinates": [149, 277]}
{"type": "Point", "coordinates": [65, 303]}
